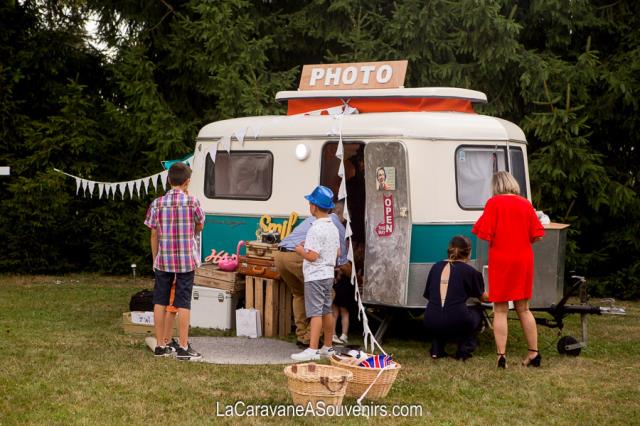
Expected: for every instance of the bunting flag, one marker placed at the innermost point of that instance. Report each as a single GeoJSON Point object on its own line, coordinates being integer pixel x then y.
{"type": "Point", "coordinates": [370, 342]}
{"type": "Point", "coordinates": [240, 134]}
{"type": "Point", "coordinates": [225, 141]}
{"type": "Point", "coordinates": [146, 184]}
{"type": "Point", "coordinates": [138, 185]}
{"type": "Point", "coordinates": [163, 178]}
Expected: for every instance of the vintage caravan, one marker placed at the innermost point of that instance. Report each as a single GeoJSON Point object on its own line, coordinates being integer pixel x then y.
{"type": "Point", "coordinates": [427, 159]}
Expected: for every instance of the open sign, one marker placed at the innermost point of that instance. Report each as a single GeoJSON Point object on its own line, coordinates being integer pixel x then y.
{"type": "Point", "coordinates": [361, 75]}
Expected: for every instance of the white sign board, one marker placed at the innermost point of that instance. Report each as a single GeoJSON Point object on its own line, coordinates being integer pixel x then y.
{"type": "Point", "coordinates": [5, 171]}
{"type": "Point", "coordinates": [360, 75]}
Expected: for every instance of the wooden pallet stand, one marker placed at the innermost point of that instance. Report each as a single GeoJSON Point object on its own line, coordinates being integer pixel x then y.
{"type": "Point", "coordinates": [273, 299]}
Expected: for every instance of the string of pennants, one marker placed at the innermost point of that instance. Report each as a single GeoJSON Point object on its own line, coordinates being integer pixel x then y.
{"type": "Point", "coordinates": [110, 189]}
{"type": "Point", "coordinates": [159, 180]}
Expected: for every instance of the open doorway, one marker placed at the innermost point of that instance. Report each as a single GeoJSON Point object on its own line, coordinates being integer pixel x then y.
{"type": "Point", "coordinates": [356, 195]}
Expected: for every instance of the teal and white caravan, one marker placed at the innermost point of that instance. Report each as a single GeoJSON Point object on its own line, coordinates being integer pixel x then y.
{"type": "Point", "coordinates": [437, 154]}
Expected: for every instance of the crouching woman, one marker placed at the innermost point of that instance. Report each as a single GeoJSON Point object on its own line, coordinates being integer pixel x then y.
{"type": "Point", "coordinates": [447, 317]}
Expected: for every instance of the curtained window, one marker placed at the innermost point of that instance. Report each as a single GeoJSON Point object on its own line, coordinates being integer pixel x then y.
{"type": "Point", "coordinates": [242, 175]}
{"type": "Point", "coordinates": [476, 165]}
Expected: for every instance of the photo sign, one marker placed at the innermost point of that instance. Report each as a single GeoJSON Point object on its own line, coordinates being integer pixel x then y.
{"type": "Point", "coordinates": [360, 75]}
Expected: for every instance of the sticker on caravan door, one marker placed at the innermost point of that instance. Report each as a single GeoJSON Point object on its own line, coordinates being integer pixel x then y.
{"type": "Point", "coordinates": [385, 228]}
{"type": "Point", "coordinates": [385, 178]}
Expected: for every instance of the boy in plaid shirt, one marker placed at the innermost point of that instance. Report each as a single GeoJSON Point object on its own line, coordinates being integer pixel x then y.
{"type": "Point", "coordinates": [174, 220]}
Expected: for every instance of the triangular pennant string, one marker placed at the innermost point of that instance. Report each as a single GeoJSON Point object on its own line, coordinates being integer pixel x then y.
{"type": "Point", "coordinates": [138, 186]}
{"type": "Point", "coordinates": [130, 188]}
{"type": "Point", "coordinates": [78, 181]}
{"type": "Point", "coordinates": [91, 185]}
{"type": "Point", "coordinates": [369, 339]}
{"type": "Point", "coordinates": [100, 190]}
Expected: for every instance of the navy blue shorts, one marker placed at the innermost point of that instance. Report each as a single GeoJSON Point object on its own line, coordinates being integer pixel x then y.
{"type": "Point", "coordinates": [184, 286]}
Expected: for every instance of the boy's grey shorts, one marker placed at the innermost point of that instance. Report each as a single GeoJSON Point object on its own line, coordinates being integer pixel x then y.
{"type": "Point", "coordinates": [318, 296]}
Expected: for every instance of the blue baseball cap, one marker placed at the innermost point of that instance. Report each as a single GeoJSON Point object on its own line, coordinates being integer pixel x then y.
{"type": "Point", "coordinates": [321, 197]}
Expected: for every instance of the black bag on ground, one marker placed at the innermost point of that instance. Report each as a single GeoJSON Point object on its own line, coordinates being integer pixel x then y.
{"type": "Point", "coordinates": [142, 301]}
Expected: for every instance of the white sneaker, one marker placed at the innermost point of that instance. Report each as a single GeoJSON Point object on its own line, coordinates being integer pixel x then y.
{"type": "Point", "coordinates": [326, 352]}
{"type": "Point", "coordinates": [344, 338]}
{"type": "Point", "coordinates": [336, 340]}
{"type": "Point", "coordinates": [306, 355]}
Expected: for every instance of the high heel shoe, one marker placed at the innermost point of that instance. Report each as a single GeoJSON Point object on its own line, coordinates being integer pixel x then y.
{"type": "Point", "coordinates": [502, 361]}
{"type": "Point", "coordinates": [533, 362]}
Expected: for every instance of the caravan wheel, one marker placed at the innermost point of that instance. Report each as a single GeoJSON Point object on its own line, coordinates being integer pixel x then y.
{"type": "Point", "coordinates": [564, 342]}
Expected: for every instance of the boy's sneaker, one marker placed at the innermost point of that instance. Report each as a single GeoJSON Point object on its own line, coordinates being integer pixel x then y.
{"type": "Point", "coordinates": [335, 339]}
{"type": "Point", "coordinates": [159, 352]}
{"type": "Point", "coordinates": [306, 355]}
{"type": "Point", "coordinates": [326, 352]}
{"type": "Point", "coordinates": [187, 354]}
{"type": "Point", "coordinates": [344, 338]}
{"type": "Point", "coordinates": [173, 346]}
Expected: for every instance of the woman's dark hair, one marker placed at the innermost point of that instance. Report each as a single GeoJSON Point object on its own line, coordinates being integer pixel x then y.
{"type": "Point", "coordinates": [459, 248]}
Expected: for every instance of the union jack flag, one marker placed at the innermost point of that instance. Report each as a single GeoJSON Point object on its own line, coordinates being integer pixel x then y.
{"type": "Point", "coordinates": [377, 361]}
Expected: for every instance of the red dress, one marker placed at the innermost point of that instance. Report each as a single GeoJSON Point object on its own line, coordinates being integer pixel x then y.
{"type": "Point", "coordinates": [510, 224]}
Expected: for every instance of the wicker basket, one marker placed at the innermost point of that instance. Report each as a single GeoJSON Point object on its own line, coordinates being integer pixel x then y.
{"type": "Point", "coordinates": [363, 377]}
{"type": "Point", "coordinates": [314, 383]}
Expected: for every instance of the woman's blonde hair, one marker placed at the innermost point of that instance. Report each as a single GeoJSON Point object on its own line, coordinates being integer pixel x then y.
{"type": "Point", "coordinates": [504, 183]}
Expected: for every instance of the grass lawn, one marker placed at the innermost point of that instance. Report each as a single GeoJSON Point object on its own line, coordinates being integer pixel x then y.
{"type": "Point", "coordinates": [66, 360]}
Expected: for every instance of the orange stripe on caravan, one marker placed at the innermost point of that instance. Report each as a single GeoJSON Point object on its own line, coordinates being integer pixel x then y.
{"type": "Point", "coordinates": [364, 105]}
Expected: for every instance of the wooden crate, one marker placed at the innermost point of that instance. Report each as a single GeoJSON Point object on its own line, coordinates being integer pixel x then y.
{"type": "Point", "coordinates": [212, 271]}
{"type": "Point", "coordinates": [212, 277]}
{"type": "Point", "coordinates": [141, 329]}
{"type": "Point", "coordinates": [273, 299]}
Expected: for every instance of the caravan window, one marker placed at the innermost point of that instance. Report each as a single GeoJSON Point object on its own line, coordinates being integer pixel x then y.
{"type": "Point", "coordinates": [474, 168]}
{"type": "Point", "coordinates": [242, 175]}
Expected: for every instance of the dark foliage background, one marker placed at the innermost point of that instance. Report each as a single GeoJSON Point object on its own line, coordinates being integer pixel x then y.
{"type": "Point", "coordinates": [567, 72]}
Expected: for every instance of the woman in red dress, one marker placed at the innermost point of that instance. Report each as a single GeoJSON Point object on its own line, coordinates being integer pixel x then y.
{"type": "Point", "coordinates": [510, 224]}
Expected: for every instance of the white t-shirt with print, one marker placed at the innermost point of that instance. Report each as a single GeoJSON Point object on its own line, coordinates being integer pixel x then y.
{"type": "Point", "coordinates": [323, 238]}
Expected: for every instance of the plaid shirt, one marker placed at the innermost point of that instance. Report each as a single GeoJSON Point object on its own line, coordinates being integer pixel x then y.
{"type": "Point", "coordinates": [175, 215]}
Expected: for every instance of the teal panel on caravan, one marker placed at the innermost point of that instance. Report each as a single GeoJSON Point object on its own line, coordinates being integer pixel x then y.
{"type": "Point", "coordinates": [429, 242]}
{"type": "Point", "coordinates": [224, 232]}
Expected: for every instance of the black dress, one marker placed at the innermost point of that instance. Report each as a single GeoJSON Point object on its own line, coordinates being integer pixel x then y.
{"type": "Point", "coordinates": [454, 321]}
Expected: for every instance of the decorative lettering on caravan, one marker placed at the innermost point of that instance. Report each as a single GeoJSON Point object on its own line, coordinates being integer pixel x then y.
{"type": "Point", "coordinates": [368, 75]}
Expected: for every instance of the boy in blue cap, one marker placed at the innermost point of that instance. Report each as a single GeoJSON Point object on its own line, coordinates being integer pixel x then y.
{"type": "Point", "coordinates": [321, 248]}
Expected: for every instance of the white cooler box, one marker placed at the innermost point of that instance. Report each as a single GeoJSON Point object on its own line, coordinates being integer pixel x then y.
{"type": "Point", "coordinates": [213, 308]}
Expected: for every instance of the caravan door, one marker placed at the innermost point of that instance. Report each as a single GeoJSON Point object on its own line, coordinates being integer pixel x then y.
{"type": "Point", "coordinates": [388, 224]}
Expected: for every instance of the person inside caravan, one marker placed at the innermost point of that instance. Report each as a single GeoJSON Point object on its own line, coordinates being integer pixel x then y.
{"type": "Point", "coordinates": [447, 317]}
{"type": "Point", "coordinates": [320, 251]}
{"type": "Point", "coordinates": [357, 204]}
{"type": "Point", "coordinates": [511, 225]}
{"type": "Point", "coordinates": [289, 265]}
{"type": "Point", "coordinates": [344, 299]}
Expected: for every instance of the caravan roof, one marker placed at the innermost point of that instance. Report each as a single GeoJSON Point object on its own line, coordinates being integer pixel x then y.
{"type": "Point", "coordinates": [415, 125]}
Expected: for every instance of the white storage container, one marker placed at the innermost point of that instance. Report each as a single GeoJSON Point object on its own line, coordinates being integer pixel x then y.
{"type": "Point", "coordinates": [213, 308]}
